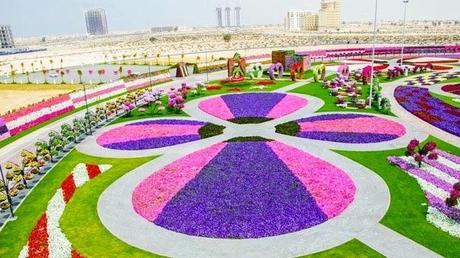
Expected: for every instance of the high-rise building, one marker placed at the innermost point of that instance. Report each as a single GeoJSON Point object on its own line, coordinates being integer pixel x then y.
{"type": "Point", "coordinates": [298, 20]}
{"type": "Point", "coordinates": [219, 17]}
{"type": "Point", "coordinates": [228, 16]}
{"type": "Point", "coordinates": [330, 14]}
{"type": "Point", "coordinates": [237, 11]}
{"type": "Point", "coordinates": [6, 37]}
{"type": "Point", "coordinates": [96, 22]}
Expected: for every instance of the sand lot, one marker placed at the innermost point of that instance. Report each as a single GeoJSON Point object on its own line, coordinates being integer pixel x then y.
{"type": "Point", "coordinates": [16, 96]}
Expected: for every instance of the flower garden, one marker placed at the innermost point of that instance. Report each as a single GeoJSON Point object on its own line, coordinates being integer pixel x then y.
{"type": "Point", "coordinates": [197, 171]}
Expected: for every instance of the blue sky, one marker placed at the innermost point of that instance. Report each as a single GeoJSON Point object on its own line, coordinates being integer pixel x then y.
{"type": "Point", "coordinates": [56, 17]}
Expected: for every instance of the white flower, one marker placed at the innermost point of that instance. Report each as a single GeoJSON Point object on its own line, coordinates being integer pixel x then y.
{"type": "Point", "coordinates": [80, 175]}
{"type": "Point", "coordinates": [443, 222]}
{"type": "Point", "coordinates": [24, 252]}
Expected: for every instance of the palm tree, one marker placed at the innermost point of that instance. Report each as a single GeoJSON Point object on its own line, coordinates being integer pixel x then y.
{"type": "Point", "coordinates": [13, 76]}
{"type": "Point", "coordinates": [62, 73]}
{"type": "Point", "coordinates": [51, 63]}
{"type": "Point", "coordinates": [134, 57]}
{"type": "Point", "coordinates": [123, 57]}
{"type": "Point", "coordinates": [80, 73]}
{"type": "Point", "coordinates": [158, 56]}
{"type": "Point", "coordinates": [44, 71]}
{"type": "Point", "coordinates": [120, 70]}
{"type": "Point", "coordinates": [41, 63]}
{"type": "Point", "coordinates": [62, 61]}
{"type": "Point", "coordinates": [28, 77]}
{"type": "Point", "coordinates": [145, 58]}
{"type": "Point", "coordinates": [22, 67]}
{"type": "Point", "coordinates": [227, 38]}
{"type": "Point", "coordinates": [100, 73]}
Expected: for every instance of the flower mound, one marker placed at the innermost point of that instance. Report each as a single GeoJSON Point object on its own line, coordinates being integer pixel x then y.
{"type": "Point", "coordinates": [151, 134]}
{"type": "Point", "coordinates": [454, 89]}
{"type": "Point", "coordinates": [244, 190]}
{"type": "Point", "coordinates": [436, 177]}
{"type": "Point", "coordinates": [349, 128]}
{"type": "Point", "coordinates": [419, 102]}
{"type": "Point", "coordinates": [252, 105]}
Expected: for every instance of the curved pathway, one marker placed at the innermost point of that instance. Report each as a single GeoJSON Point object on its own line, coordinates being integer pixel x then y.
{"type": "Point", "coordinates": [360, 220]}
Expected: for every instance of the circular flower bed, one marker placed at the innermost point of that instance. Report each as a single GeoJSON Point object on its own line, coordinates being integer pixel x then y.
{"type": "Point", "coordinates": [345, 128]}
{"type": "Point", "coordinates": [156, 134]}
{"type": "Point", "coordinates": [252, 107]}
{"type": "Point", "coordinates": [244, 189]}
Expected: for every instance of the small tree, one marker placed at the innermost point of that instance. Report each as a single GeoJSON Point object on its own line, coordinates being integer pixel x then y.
{"type": "Point", "coordinates": [13, 76]}
{"type": "Point", "coordinates": [80, 74]}
{"type": "Point", "coordinates": [45, 72]}
{"type": "Point", "coordinates": [62, 73]}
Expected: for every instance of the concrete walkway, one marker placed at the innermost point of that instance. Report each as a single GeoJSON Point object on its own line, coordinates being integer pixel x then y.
{"type": "Point", "coordinates": [360, 219]}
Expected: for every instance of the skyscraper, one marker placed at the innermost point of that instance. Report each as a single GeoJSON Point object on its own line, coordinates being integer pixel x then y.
{"type": "Point", "coordinates": [237, 11]}
{"type": "Point", "coordinates": [219, 17]}
{"type": "Point", "coordinates": [96, 22]}
{"type": "Point", "coordinates": [6, 37]}
{"type": "Point", "coordinates": [228, 16]}
{"type": "Point", "coordinates": [298, 20]}
{"type": "Point", "coordinates": [329, 14]}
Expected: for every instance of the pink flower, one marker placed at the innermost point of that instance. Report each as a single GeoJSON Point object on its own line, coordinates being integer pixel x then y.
{"type": "Point", "coordinates": [418, 158]}
{"type": "Point", "coordinates": [431, 146]}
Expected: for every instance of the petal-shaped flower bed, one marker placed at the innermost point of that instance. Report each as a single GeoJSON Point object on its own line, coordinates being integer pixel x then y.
{"type": "Point", "coordinates": [154, 134]}
{"type": "Point", "coordinates": [422, 104]}
{"type": "Point", "coordinates": [345, 128]}
{"type": "Point", "coordinates": [252, 107]}
{"type": "Point", "coordinates": [244, 189]}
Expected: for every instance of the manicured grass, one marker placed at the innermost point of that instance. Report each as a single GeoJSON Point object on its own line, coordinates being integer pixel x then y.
{"type": "Point", "coordinates": [446, 99]}
{"type": "Point", "coordinates": [316, 89]}
{"type": "Point", "coordinates": [353, 248]}
{"type": "Point", "coordinates": [407, 212]}
{"type": "Point", "coordinates": [80, 222]}
{"type": "Point", "coordinates": [15, 234]}
{"type": "Point", "coordinates": [455, 80]}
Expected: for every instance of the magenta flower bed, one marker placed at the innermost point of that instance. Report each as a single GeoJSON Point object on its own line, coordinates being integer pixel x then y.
{"type": "Point", "coordinates": [252, 105]}
{"type": "Point", "coordinates": [349, 128]}
{"type": "Point", "coordinates": [151, 134]}
{"type": "Point", "coordinates": [244, 190]}
{"type": "Point", "coordinates": [454, 89]}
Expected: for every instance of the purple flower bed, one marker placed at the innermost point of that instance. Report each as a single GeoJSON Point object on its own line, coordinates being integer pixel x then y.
{"type": "Point", "coordinates": [347, 137]}
{"type": "Point", "coordinates": [345, 128]}
{"type": "Point", "coordinates": [154, 134]}
{"type": "Point", "coordinates": [252, 104]}
{"type": "Point", "coordinates": [246, 191]}
{"type": "Point", "coordinates": [419, 102]}
{"type": "Point", "coordinates": [152, 143]}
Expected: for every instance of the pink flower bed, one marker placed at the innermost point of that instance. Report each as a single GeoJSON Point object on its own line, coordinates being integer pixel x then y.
{"type": "Point", "coordinates": [216, 107]}
{"type": "Point", "coordinates": [99, 93]}
{"type": "Point", "coordinates": [287, 105]}
{"type": "Point", "coordinates": [36, 107]}
{"type": "Point", "coordinates": [331, 187]}
{"type": "Point", "coordinates": [138, 132]}
{"type": "Point", "coordinates": [357, 125]}
{"type": "Point", "coordinates": [40, 120]}
{"type": "Point", "coordinates": [150, 196]}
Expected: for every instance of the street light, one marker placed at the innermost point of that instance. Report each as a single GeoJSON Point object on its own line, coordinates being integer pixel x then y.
{"type": "Point", "coordinates": [405, 2]}
{"type": "Point", "coordinates": [373, 53]}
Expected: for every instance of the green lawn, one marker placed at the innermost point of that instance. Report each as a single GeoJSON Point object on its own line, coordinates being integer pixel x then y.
{"type": "Point", "coordinates": [353, 248]}
{"type": "Point", "coordinates": [316, 89]}
{"type": "Point", "coordinates": [407, 211]}
{"type": "Point", "coordinates": [455, 80]}
{"type": "Point", "coordinates": [448, 100]}
{"type": "Point", "coordinates": [15, 234]}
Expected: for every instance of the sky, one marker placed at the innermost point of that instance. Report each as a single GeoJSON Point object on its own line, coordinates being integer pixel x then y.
{"type": "Point", "coordinates": [64, 17]}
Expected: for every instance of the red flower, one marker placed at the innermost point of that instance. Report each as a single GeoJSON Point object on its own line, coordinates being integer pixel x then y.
{"type": "Point", "coordinates": [418, 158]}
{"type": "Point", "coordinates": [431, 146]}
{"type": "Point", "coordinates": [76, 254]}
{"type": "Point", "coordinates": [38, 239]}
{"type": "Point", "coordinates": [93, 170]}
{"type": "Point", "coordinates": [68, 188]}
{"type": "Point", "coordinates": [433, 156]}
{"type": "Point", "coordinates": [454, 194]}
{"type": "Point", "coordinates": [457, 186]}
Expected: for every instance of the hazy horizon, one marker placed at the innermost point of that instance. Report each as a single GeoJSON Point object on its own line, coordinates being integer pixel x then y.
{"type": "Point", "coordinates": [67, 17]}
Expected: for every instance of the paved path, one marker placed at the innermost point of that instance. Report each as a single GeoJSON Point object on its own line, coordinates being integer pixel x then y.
{"type": "Point", "coordinates": [361, 218]}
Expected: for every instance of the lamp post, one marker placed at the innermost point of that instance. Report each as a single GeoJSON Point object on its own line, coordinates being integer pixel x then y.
{"type": "Point", "coordinates": [405, 2]}
{"type": "Point", "coordinates": [373, 54]}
